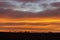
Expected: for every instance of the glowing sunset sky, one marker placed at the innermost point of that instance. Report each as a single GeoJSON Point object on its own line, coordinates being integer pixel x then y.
{"type": "Point", "coordinates": [30, 15]}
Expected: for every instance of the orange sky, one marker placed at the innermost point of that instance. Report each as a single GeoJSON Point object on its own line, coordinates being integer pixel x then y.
{"type": "Point", "coordinates": [42, 17]}
{"type": "Point", "coordinates": [30, 20]}
{"type": "Point", "coordinates": [52, 25]}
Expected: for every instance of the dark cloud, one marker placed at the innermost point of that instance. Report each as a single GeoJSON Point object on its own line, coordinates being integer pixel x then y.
{"type": "Point", "coordinates": [25, 29]}
{"type": "Point", "coordinates": [19, 14]}
{"type": "Point", "coordinates": [56, 4]}
{"type": "Point", "coordinates": [40, 24]}
{"type": "Point", "coordinates": [6, 5]}
{"type": "Point", "coordinates": [27, 0]}
{"type": "Point", "coordinates": [49, 13]}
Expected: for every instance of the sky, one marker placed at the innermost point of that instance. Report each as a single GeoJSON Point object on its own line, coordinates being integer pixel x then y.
{"type": "Point", "coordinates": [30, 15]}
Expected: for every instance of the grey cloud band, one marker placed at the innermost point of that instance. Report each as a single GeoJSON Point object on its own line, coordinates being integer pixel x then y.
{"type": "Point", "coordinates": [34, 6]}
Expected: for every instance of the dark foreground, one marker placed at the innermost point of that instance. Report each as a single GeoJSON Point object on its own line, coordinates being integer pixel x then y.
{"type": "Point", "coordinates": [29, 36]}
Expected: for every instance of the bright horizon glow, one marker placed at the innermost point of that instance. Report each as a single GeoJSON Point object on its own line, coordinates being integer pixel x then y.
{"type": "Point", "coordinates": [27, 20]}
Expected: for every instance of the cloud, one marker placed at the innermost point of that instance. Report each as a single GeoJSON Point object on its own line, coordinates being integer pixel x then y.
{"type": "Point", "coordinates": [21, 9]}
{"type": "Point", "coordinates": [8, 13]}
{"type": "Point", "coordinates": [41, 27]}
{"type": "Point", "coordinates": [28, 6]}
{"type": "Point", "coordinates": [56, 4]}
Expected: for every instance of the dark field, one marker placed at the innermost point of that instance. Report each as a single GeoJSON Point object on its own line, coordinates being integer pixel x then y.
{"type": "Point", "coordinates": [29, 36]}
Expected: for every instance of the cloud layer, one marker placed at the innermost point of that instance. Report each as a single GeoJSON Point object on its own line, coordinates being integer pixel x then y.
{"type": "Point", "coordinates": [29, 15]}
{"type": "Point", "coordinates": [18, 14]}
{"type": "Point", "coordinates": [34, 6]}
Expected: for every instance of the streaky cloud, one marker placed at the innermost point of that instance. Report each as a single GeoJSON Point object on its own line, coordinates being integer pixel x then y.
{"type": "Point", "coordinates": [33, 7]}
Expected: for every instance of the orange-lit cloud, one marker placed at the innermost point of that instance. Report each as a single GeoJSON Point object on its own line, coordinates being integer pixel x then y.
{"type": "Point", "coordinates": [30, 25]}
